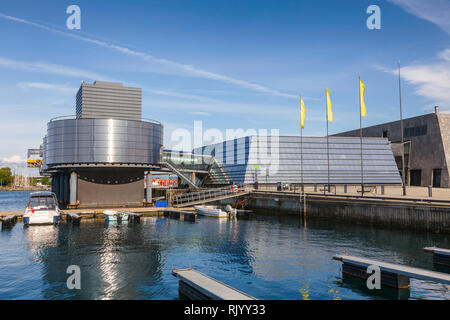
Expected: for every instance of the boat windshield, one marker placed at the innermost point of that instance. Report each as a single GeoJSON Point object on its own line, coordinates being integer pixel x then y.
{"type": "Point", "coordinates": [42, 203]}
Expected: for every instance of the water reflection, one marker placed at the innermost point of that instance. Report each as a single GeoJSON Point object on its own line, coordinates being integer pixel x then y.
{"type": "Point", "coordinates": [268, 256]}
{"type": "Point", "coordinates": [116, 260]}
{"type": "Point", "coordinates": [41, 237]}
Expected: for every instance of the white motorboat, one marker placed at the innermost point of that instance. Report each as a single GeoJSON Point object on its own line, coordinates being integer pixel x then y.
{"type": "Point", "coordinates": [42, 208]}
{"type": "Point", "coordinates": [112, 215]}
{"type": "Point", "coordinates": [214, 211]}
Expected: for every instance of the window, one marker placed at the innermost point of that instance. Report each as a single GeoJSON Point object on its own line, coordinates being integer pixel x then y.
{"type": "Point", "coordinates": [385, 134]}
{"type": "Point", "coordinates": [415, 131]}
{"type": "Point", "coordinates": [437, 178]}
{"type": "Point", "coordinates": [415, 177]}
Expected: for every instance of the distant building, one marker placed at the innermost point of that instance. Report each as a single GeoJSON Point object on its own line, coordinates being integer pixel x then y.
{"type": "Point", "coordinates": [109, 100]}
{"type": "Point", "coordinates": [427, 147]}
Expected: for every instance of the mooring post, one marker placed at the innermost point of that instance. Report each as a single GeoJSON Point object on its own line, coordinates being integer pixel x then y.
{"type": "Point", "coordinates": [345, 188]}
{"type": "Point", "coordinates": [304, 205]}
{"type": "Point", "coordinates": [382, 189]}
{"type": "Point", "coordinates": [315, 187]}
{"type": "Point", "coordinates": [430, 191]}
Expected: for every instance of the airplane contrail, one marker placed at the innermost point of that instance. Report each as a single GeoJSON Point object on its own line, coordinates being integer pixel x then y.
{"type": "Point", "coordinates": [147, 57]}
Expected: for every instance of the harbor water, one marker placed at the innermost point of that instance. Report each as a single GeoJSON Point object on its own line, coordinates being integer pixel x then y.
{"type": "Point", "coordinates": [269, 256]}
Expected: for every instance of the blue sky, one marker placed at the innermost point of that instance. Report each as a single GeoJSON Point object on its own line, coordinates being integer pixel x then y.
{"type": "Point", "coordinates": [230, 64]}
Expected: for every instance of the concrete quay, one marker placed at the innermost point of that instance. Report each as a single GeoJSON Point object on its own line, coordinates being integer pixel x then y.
{"type": "Point", "coordinates": [394, 212]}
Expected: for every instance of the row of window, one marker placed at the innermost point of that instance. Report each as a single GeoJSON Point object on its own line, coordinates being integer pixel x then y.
{"type": "Point", "coordinates": [411, 131]}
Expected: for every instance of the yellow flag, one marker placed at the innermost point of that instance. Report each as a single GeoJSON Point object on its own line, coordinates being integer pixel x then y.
{"type": "Point", "coordinates": [330, 113]}
{"type": "Point", "coordinates": [302, 114]}
{"type": "Point", "coordinates": [362, 88]}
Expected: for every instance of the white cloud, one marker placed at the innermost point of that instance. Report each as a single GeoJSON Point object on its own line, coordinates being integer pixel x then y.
{"type": "Point", "coordinates": [49, 68]}
{"type": "Point", "coordinates": [199, 113]}
{"type": "Point", "coordinates": [46, 86]}
{"type": "Point", "coordinates": [15, 159]}
{"type": "Point", "coordinates": [445, 55]}
{"type": "Point", "coordinates": [435, 11]}
{"type": "Point", "coordinates": [432, 81]}
{"type": "Point", "coordinates": [193, 71]}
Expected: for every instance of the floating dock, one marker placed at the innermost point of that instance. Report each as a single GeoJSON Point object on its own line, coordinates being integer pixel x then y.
{"type": "Point", "coordinates": [197, 286]}
{"type": "Point", "coordinates": [73, 217]}
{"type": "Point", "coordinates": [9, 221]}
{"type": "Point", "coordinates": [94, 213]}
{"type": "Point", "coordinates": [392, 275]}
{"type": "Point", "coordinates": [440, 256]}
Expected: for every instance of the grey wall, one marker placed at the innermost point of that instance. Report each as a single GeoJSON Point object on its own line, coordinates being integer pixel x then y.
{"type": "Point", "coordinates": [428, 151]}
{"type": "Point", "coordinates": [97, 194]}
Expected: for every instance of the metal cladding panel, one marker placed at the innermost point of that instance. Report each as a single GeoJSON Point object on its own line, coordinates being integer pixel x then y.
{"type": "Point", "coordinates": [72, 141]}
{"type": "Point", "coordinates": [286, 159]}
{"type": "Point", "coordinates": [108, 100]}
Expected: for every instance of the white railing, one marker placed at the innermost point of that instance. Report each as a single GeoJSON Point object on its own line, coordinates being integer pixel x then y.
{"type": "Point", "coordinates": [206, 194]}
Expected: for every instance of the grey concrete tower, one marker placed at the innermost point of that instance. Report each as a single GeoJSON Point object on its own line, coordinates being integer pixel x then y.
{"type": "Point", "coordinates": [108, 100]}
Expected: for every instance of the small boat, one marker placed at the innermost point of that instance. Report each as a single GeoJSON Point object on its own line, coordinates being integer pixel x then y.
{"type": "Point", "coordinates": [214, 211]}
{"type": "Point", "coordinates": [112, 215]}
{"type": "Point", "coordinates": [42, 208]}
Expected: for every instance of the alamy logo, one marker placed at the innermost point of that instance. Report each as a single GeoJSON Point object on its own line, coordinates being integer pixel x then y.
{"type": "Point", "coordinates": [374, 21]}
{"type": "Point", "coordinates": [74, 20]}
{"type": "Point", "coordinates": [74, 280]}
{"type": "Point", "coordinates": [373, 282]}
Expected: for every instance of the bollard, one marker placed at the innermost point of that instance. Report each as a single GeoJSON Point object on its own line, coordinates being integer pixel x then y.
{"type": "Point", "coordinates": [345, 188]}
{"type": "Point", "coordinates": [382, 189]}
{"type": "Point", "coordinates": [430, 191]}
{"type": "Point", "coordinates": [315, 187]}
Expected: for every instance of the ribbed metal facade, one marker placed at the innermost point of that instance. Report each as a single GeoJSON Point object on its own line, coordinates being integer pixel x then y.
{"type": "Point", "coordinates": [108, 100]}
{"type": "Point", "coordinates": [280, 160]}
{"type": "Point", "coordinates": [78, 141]}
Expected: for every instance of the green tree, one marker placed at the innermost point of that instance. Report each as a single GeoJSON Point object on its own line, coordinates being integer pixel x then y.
{"type": "Point", "coordinates": [6, 177]}
{"type": "Point", "coordinates": [46, 181]}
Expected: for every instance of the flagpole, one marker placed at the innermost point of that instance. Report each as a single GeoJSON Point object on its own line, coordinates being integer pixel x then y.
{"type": "Point", "coordinates": [301, 145]}
{"type": "Point", "coordinates": [328, 150]}
{"type": "Point", "coordinates": [401, 132]}
{"type": "Point", "coordinates": [360, 135]}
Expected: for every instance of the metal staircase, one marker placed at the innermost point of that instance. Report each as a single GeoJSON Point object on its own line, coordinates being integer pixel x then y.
{"type": "Point", "coordinates": [209, 171]}
{"type": "Point", "coordinates": [174, 169]}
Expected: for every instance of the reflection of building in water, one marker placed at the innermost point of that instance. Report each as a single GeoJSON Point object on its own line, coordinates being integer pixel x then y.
{"type": "Point", "coordinates": [117, 263]}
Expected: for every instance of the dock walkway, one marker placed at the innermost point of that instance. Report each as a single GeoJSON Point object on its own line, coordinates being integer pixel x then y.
{"type": "Point", "coordinates": [98, 213]}
{"type": "Point", "coordinates": [409, 272]}
{"type": "Point", "coordinates": [440, 256]}
{"type": "Point", "coordinates": [195, 285]}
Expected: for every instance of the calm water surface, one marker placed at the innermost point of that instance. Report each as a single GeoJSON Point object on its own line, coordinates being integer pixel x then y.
{"type": "Point", "coordinates": [268, 256]}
